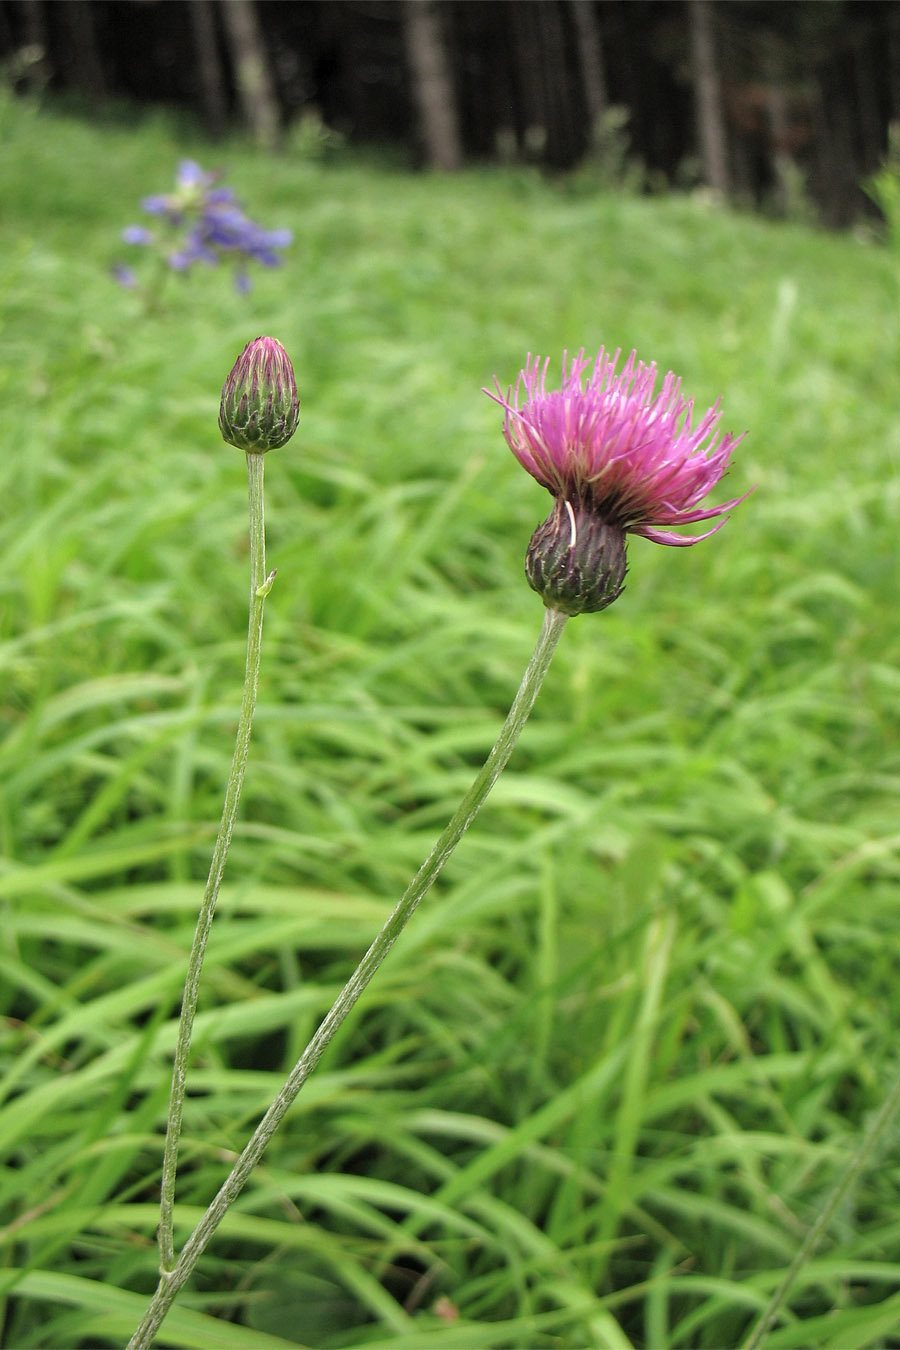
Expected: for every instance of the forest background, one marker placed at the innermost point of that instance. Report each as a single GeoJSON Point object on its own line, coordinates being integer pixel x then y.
{"type": "Point", "coordinates": [782, 104]}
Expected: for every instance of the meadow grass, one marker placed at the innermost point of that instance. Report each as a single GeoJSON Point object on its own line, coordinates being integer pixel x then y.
{"type": "Point", "coordinates": [612, 1072]}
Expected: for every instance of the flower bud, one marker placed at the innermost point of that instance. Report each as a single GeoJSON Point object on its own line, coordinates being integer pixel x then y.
{"type": "Point", "coordinates": [576, 561]}
{"type": "Point", "coordinates": [260, 408]}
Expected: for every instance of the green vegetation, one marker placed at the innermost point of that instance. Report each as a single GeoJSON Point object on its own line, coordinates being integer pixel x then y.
{"type": "Point", "coordinates": [615, 1067]}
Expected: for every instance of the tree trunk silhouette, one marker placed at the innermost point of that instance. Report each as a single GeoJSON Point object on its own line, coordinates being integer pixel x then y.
{"type": "Point", "coordinates": [779, 142]}
{"type": "Point", "coordinates": [36, 71]}
{"type": "Point", "coordinates": [866, 102]}
{"type": "Point", "coordinates": [550, 132]}
{"type": "Point", "coordinates": [893, 50]}
{"type": "Point", "coordinates": [590, 59]}
{"type": "Point", "coordinates": [708, 96]}
{"type": "Point", "coordinates": [84, 67]}
{"type": "Point", "coordinates": [213, 98]}
{"type": "Point", "coordinates": [429, 68]}
{"type": "Point", "coordinates": [784, 171]}
{"type": "Point", "coordinates": [252, 74]}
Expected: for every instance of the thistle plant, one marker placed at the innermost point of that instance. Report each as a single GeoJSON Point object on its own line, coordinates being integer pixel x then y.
{"type": "Point", "coordinates": [617, 461]}
{"type": "Point", "coordinates": [258, 412]}
{"type": "Point", "coordinates": [200, 222]}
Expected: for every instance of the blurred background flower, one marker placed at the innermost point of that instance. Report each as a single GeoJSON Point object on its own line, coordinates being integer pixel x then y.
{"type": "Point", "coordinates": [200, 223]}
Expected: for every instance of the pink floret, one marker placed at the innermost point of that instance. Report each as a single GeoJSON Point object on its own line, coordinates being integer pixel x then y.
{"type": "Point", "coordinates": [607, 443]}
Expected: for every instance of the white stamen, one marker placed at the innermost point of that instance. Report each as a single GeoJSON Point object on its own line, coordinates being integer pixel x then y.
{"type": "Point", "coordinates": [572, 519]}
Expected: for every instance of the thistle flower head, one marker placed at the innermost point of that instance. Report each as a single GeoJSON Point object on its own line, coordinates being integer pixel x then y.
{"type": "Point", "coordinates": [620, 458]}
{"type": "Point", "coordinates": [260, 408]}
{"type": "Point", "coordinates": [636, 459]}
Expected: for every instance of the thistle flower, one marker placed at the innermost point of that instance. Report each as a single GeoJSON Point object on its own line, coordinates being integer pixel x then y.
{"type": "Point", "coordinates": [619, 461]}
{"type": "Point", "coordinates": [260, 408]}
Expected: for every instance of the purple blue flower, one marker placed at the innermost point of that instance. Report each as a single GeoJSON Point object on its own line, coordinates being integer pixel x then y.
{"type": "Point", "coordinates": [163, 206]}
{"type": "Point", "coordinates": [204, 223]}
{"type": "Point", "coordinates": [189, 175]}
{"type": "Point", "coordinates": [137, 234]}
{"type": "Point", "coordinates": [125, 276]}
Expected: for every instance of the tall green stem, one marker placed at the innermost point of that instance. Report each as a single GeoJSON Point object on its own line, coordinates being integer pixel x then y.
{"type": "Point", "coordinates": [173, 1279]}
{"type": "Point", "coordinates": [260, 586]}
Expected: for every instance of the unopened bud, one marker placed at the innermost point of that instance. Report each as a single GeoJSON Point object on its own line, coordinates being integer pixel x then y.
{"type": "Point", "coordinates": [260, 408]}
{"type": "Point", "coordinates": [576, 561]}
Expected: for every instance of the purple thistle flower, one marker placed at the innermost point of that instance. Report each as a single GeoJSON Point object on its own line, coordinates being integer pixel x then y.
{"type": "Point", "coordinates": [618, 460]}
{"type": "Point", "coordinates": [636, 460]}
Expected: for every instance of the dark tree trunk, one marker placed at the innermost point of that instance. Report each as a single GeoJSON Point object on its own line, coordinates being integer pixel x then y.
{"type": "Point", "coordinates": [779, 141]}
{"type": "Point", "coordinates": [834, 136]}
{"type": "Point", "coordinates": [708, 96]}
{"type": "Point", "coordinates": [866, 102]}
{"type": "Point", "coordinates": [7, 41]}
{"type": "Point", "coordinates": [84, 67]}
{"type": "Point", "coordinates": [825, 163]}
{"type": "Point", "coordinates": [36, 70]}
{"type": "Point", "coordinates": [549, 129]}
{"type": "Point", "coordinates": [213, 96]}
{"type": "Point", "coordinates": [776, 66]}
{"type": "Point", "coordinates": [590, 58]}
{"type": "Point", "coordinates": [893, 50]}
{"type": "Point", "coordinates": [432, 85]}
{"type": "Point", "coordinates": [251, 71]}
{"type": "Point", "coordinates": [565, 139]}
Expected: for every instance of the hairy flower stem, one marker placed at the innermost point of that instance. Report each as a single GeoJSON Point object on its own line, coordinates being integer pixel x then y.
{"type": "Point", "coordinates": [172, 1280]}
{"type": "Point", "coordinates": [260, 585]}
{"type": "Point", "coordinates": [854, 1170]}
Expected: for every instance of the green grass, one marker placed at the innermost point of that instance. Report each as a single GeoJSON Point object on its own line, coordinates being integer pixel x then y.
{"type": "Point", "coordinates": [612, 1072]}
